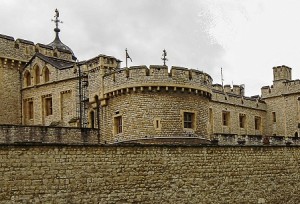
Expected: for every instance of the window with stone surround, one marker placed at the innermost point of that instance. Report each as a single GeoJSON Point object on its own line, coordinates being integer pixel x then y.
{"type": "Point", "coordinates": [118, 124]}
{"type": "Point", "coordinates": [92, 119]}
{"type": "Point", "coordinates": [157, 123]}
{"type": "Point", "coordinates": [242, 120]}
{"type": "Point", "coordinates": [48, 106]}
{"type": "Point", "coordinates": [27, 79]}
{"type": "Point", "coordinates": [46, 74]}
{"type": "Point", "coordinates": [30, 109]}
{"type": "Point", "coordinates": [225, 118]}
{"type": "Point", "coordinates": [257, 123]}
{"type": "Point", "coordinates": [37, 75]}
{"type": "Point", "coordinates": [189, 120]}
{"type": "Point", "coordinates": [274, 117]}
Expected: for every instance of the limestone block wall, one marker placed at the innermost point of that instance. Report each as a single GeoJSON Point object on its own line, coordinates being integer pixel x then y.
{"type": "Point", "coordinates": [23, 50]}
{"type": "Point", "coordinates": [12, 134]}
{"type": "Point", "coordinates": [286, 109]}
{"type": "Point", "coordinates": [64, 103]}
{"type": "Point", "coordinates": [155, 113]}
{"type": "Point", "coordinates": [278, 88]}
{"type": "Point", "coordinates": [18, 50]}
{"type": "Point", "coordinates": [238, 100]}
{"type": "Point", "coordinates": [62, 87]}
{"type": "Point", "coordinates": [55, 74]}
{"type": "Point", "coordinates": [157, 76]}
{"type": "Point", "coordinates": [149, 174]}
{"type": "Point", "coordinates": [236, 105]}
{"type": "Point", "coordinates": [10, 98]}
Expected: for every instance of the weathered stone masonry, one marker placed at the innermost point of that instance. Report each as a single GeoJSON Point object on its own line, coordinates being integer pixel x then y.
{"type": "Point", "coordinates": [149, 174]}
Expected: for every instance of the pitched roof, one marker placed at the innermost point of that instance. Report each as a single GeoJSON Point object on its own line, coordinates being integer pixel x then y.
{"type": "Point", "coordinates": [55, 62]}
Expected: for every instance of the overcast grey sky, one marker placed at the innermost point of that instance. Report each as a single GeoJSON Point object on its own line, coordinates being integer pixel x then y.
{"type": "Point", "coordinates": [246, 38]}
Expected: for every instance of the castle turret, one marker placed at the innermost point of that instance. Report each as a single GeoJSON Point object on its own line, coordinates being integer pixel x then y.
{"type": "Point", "coordinates": [282, 73]}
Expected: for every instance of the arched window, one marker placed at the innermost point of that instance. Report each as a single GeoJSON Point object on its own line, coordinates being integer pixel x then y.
{"type": "Point", "coordinates": [92, 119]}
{"type": "Point", "coordinates": [37, 75]}
{"type": "Point", "coordinates": [27, 79]}
{"type": "Point", "coordinates": [46, 74]}
{"type": "Point", "coordinates": [296, 134]}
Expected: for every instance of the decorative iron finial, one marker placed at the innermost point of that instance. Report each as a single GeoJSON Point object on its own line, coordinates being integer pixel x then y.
{"type": "Point", "coordinates": [164, 57]}
{"type": "Point", "coordinates": [56, 21]}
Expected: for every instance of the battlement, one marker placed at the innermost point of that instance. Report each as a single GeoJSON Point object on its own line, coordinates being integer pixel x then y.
{"type": "Point", "coordinates": [283, 88]}
{"type": "Point", "coordinates": [23, 50]}
{"type": "Point", "coordinates": [235, 100]}
{"type": "Point", "coordinates": [235, 96]}
{"type": "Point", "coordinates": [157, 76]}
{"type": "Point", "coordinates": [282, 73]}
{"type": "Point", "coordinates": [238, 90]}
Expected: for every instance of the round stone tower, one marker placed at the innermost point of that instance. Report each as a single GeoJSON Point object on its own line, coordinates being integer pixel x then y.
{"type": "Point", "coordinates": [141, 103]}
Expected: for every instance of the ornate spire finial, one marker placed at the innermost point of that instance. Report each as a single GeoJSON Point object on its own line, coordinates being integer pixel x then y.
{"type": "Point", "coordinates": [56, 21]}
{"type": "Point", "coordinates": [164, 57]}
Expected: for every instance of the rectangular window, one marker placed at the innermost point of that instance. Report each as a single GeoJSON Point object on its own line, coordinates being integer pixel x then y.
{"type": "Point", "coordinates": [257, 122]}
{"type": "Point", "coordinates": [242, 120]}
{"type": "Point", "coordinates": [225, 118]}
{"type": "Point", "coordinates": [188, 120]}
{"type": "Point", "coordinates": [157, 123]}
{"type": "Point", "coordinates": [30, 109]}
{"type": "Point", "coordinates": [118, 124]}
{"type": "Point", "coordinates": [48, 106]}
{"type": "Point", "coordinates": [274, 117]}
{"type": "Point", "coordinates": [210, 116]}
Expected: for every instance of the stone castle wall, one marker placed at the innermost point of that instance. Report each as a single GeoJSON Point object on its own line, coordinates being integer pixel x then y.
{"type": "Point", "coordinates": [23, 50]}
{"type": "Point", "coordinates": [233, 127]}
{"type": "Point", "coordinates": [282, 99]}
{"type": "Point", "coordinates": [149, 174]}
{"type": "Point", "coordinates": [157, 76]}
{"type": "Point", "coordinates": [64, 103]}
{"type": "Point", "coordinates": [62, 87]}
{"type": "Point", "coordinates": [233, 102]}
{"type": "Point", "coordinates": [12, 134]}
{"type": "Point", "coordinates": [10, 97]}
{"type": "Point", "coordinates": [148, 114]}
{"type": "Point", "coordinates": [152, 102]}
{"type": "Point", "coordinates": [279, 88]}
{"type": "Point", "coordinates": [287, 112]}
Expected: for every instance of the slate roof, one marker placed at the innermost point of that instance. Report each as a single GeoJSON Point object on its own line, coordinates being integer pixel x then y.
{"type": "Point", "coordinates": [55, 62]}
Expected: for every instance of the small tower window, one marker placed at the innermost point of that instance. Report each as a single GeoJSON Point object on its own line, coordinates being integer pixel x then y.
{"type": "Point", "coordinates": [118, 124]}
{"type": "Point", "coordinates": [274, 117]}
{"type": "Point", "coordinates": [188, 120]}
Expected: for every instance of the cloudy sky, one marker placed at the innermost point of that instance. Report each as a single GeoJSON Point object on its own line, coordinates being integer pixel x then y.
{"type": "Point", "coordinates": [246, 38]}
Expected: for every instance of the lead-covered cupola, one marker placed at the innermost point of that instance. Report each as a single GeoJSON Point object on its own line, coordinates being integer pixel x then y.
{"type": "Point", "coordinates": [57, 42]}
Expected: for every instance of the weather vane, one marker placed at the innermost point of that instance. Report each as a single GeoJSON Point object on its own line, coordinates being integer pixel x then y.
{"type": "Point", "coordinates": [56, 21]}
{"type": "Point", "coordinates": [164, 57]}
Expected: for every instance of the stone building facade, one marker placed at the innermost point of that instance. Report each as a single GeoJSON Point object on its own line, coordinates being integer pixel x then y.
{"type": "Point", "coordinates": [44, 85]}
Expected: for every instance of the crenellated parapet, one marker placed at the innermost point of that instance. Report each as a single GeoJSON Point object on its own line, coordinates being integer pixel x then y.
{"type": "Point", "coordinates": [282, 88]}
{"type": "Point", "coordinates": [23, 50]}
{"type": "Point", "coordinates": [156, 78]}
{"type": "Point", "coordinates": [235, 96]}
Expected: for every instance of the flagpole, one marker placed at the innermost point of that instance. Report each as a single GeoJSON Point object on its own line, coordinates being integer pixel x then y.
{"type": "Point", "coordinates": [126, 56]}
{"type": "Point", "coordinates": [222, 76]}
